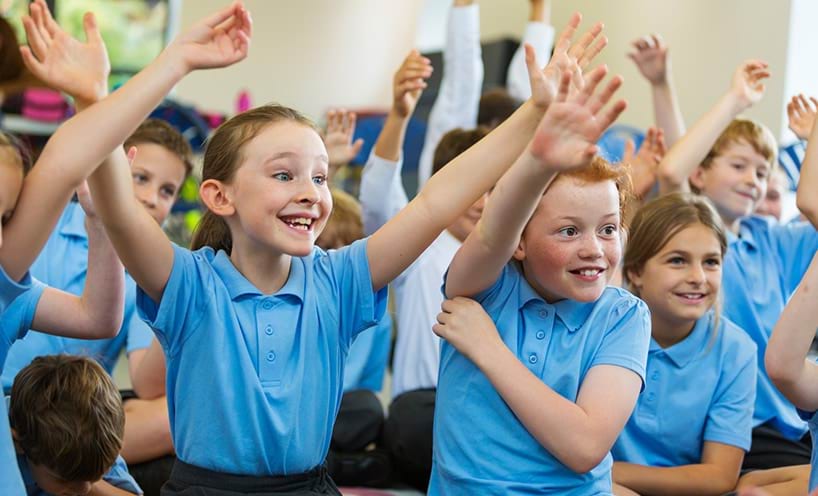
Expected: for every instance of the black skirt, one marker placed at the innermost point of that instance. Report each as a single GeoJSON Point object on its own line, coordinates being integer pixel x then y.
{"type": "Point", "coordinates": [189, 480]}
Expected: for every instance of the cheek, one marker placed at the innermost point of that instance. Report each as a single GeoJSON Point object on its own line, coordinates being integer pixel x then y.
{"type": "Point", "coordinates": [549, 256]}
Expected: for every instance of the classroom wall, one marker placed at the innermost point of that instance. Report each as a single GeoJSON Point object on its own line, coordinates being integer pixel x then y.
{"type": "Point", "coordinates": [315, 54]}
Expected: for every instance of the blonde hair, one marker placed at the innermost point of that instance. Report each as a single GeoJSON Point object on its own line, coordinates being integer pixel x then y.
{"type": "Point", "coordinates": [345, 225]}
{"type": "Point", "coordinates": [222, 158]}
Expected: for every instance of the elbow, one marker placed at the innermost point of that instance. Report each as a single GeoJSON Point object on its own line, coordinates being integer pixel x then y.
{"type": "Point", "coordinates": [147, 390]}
{"type": "Point", "coordinates": [780, 372]}
{"type": "Point", "coordinates": [583, 461]}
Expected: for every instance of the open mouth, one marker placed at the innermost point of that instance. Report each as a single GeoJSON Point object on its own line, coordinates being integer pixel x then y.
{"type": "Point", "coordinates": [692, 297]}
{"type": "Point", "coordinates": [303, 224]}
{"type": "Point", "coordinates": [588, 274]}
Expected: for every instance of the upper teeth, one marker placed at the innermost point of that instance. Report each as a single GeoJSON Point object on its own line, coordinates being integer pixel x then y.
{"type": "Point", "coordinates": [589, 272]}
{"type": "Point", "coordinates": [691, 296]}
{"type": "Point", "coordinates": [300, 220]}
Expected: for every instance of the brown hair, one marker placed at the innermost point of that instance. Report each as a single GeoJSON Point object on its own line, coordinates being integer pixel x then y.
{"type": "Point", "coordinates": [17, 151]}
{"type": "Point", "coordinates": [11, 62]}
{"type": "Point", "coordinates": [454, 143]}
{"type": "Point", "coordinates": [754, 133]}
{"type": "Point", "coordinates": [161, 133]}
{"type": "Point", "coordinates": [67, 416]}
{"type": "Point", "coordinates": [495, 106]}
{"type": "Point", "coordinates": [224, 154]}
{"type": "Point", "coordinates": [599, 170]}
{"type": "Point", "coordinates": [344, 225]}
{"type": "Point", "coordinates": [661, 219]}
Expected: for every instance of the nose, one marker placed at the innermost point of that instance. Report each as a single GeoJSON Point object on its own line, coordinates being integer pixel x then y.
{"type": "Point", "coordinates": [308, 193]}
{"type": "Point", "coordinates": [591, 248]}
{"type": "Point", "coordinates": [696, 274]}
{"type": "Point", "coordinates": [147, 197]}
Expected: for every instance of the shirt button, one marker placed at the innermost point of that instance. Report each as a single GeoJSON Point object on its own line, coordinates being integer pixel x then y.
{"type": "Point", "coordinates": [532, 358]}
{"type": "Point", "coordinates": [271, 356]}
{"type": "Point", "coordinates": [543, 313]}
{"type": "Point", "coordinates": [540, 334]}
{"type": "Point", "coordinates": [267, 304]}
{"type": "Point", "coordinates": [655, 376]}
{"type": "Point", "coordinates": [268, 330]}
{"type": "Point", "coordinates": [651, 396]}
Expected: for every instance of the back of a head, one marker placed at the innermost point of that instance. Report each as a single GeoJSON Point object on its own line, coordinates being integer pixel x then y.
{"type": "Point", "coordinates": [161, 133]}
{"type": "Point", "coordinates": [67, 415]}
{"type": "Point", "coordinates": [752, 132]}
{"type": "Point", "coordinates": [224, 154]}
{"type": "Point", "coordinates": [345, 224]}
{"type": "Point", "coordinates": [454, 143]}
{"type": "Point", "coordinates": [661, 219]}
{"type": "Point", "coordinates": [15, 152]}
{"type": "Point", "coordinates": [496, 106]}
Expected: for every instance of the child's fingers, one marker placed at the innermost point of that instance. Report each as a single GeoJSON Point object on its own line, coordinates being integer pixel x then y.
{"type": "Point", "coordinates": [225, 14]}
{"type": "Point", "coordinates": [564, 87]}
{"type": "Point", "coordinates": [35, 40]}
{"type": "Point", "coordinates": [661, 146]}
{"type": "Point", "coordinates": [609, 116]}
{"type": "Point", "coordinates": [564, 39]}
{"type": "Point", "coordinates": [31, 62]}
{"type": "Point", "coordinates": [592, 52]}
{"type": "Point", "coordinates": [591, 82]}
{"type": "Point", "coordinates": [585, 41]}
{"type": "Point", "coordinates": [89, 23]}
{"type": "Point", "coordinates": [48, 21]}
{"type": "Point", "coordinates": [356, 147]}
{"type": "Point", "coordinates": [353, 118]}
{"type": "Point", "coordinates": [598, 100]}
{"type": "Point", "coordinates": [630, 147]}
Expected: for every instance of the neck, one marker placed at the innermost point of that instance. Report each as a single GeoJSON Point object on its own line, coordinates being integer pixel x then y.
{"type": "Point", "coordinates": [667, 333]}
{"type": "Point", "coordinates": [266, 269]}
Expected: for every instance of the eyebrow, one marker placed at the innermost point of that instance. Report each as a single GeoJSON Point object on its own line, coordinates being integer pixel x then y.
{"type": "Point", "coordinates": [579, 220]}
{"type": "Point", "coordinates": [687, 253]}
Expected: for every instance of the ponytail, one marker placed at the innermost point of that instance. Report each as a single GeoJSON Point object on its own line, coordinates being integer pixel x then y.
{"type": "Point", "coordinates": [212, 231]}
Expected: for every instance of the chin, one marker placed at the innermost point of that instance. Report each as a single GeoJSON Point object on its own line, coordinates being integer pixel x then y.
{"type": "Point", "coordinates": [586, 295]}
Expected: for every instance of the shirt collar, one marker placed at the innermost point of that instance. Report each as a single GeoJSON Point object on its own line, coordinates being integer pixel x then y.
{"type": "Point", "coordinates": [683, 352]}
{"type": "Point", "coordinates": [746, 230]}
{"type": "Point", "coordinates": [237, 285]}
{"type": "Point", "coordinates": [572, 313]}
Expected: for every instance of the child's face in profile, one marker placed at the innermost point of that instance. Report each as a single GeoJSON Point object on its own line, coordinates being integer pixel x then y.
{"type": "Point", "coordinates": [50, 483]}
{"type": "Point", "coordinates": [571, 245]}
{"type": "Point", "coordinates": [11, 182]}
{"type": "Point", "coordinates": [735, 181]}
{"type": "Point", "coordinates": [681, 282]}
{"type": "Point", "coordinates": [157, 175]}
{"type": "Point", "coordinates": [280, 192]}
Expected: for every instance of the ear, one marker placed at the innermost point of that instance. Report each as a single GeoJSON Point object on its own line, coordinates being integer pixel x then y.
{"type": "Point", "coordinates": [697, 178]}
{"type": "Point", "coordinates": [636, 279]}
{"type": "Point", "coordinates": [16, 438]}
{"type": "Point", "coordinates": [217, 198]}
{"type": "Point", "coordinates": [519, 252]}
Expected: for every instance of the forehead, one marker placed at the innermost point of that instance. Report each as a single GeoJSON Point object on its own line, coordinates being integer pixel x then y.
{"type": "Point", "coordinates": [742, 149]}
{"type": "Point", "coordinates": [695, 238]}
{"type": "Point", "coordinates": [286, 137]}
{"type": "Point", "coordinates": [160, 162]}
{"type": "Point", "coordinates": [568, 196]}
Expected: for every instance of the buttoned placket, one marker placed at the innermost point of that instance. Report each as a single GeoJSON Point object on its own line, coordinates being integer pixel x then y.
{"type": "Point", "coordinates": [539, 324]}
{"type": "Point", "coordinates": [269, 366]}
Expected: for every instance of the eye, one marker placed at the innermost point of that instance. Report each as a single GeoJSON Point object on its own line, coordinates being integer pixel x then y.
{"type": "Point", "coordinates": [676, 261]}
{"type": "Point", "coordinates": [762, 173]}
{"type": "Point", "coordinates": [6, 217]}
{"type": "Point", "coordinates": [712, 262]}
{"type": "Point", "coordinates": [167, 192]}
{"type": "Point", "coordinates": [282, 176]}
{"type": "Point", "coordinates": [608, 230]}
{"type": "Point", "coordinates": [139, 178]}
{"type": "Point", "coordinates": [569, 231]}
{"type": "Point", "coordinates": [738, 166]}
{"type": "Point", "coordinates": [319, 180]}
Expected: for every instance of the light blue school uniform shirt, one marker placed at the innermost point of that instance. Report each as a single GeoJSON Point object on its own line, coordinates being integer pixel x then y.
{"type": "Point", "coordinates": [18, 302]}
{"type": "Point", "coordinates": [254, 381]}
{"type": "Point", "coordinates": [812, 422]}
{"type": "Point", "coordinates": [479, 445]}
{"type": "Point", "coordinates": [63, 264]}
{"type": "Point", "coordinates": [118, 476]}
{"type": "Point", "coordinates": [700, 389]}
{"type": "Point", "coordinates": [762, 268]}
{"type": "Point", "coordinates": [368, 357]}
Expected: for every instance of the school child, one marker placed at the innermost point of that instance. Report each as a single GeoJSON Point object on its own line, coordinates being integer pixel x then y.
{"type": "Point", "coordinates": [360, 416]}
{"type": "Point", "coordinates": [67, 422]}
{"type": "Point", "coordinates": [728, 160]}
{"type": "Point", "coordinates": [693, 421]}
{"type": "Point", "coordinates": [408, 429]}
{"type": "Point", "coordinates": [534, 390]}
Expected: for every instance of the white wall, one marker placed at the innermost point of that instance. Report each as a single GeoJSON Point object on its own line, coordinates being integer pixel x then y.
{"type": "Point", "coordinates": [314, 54]}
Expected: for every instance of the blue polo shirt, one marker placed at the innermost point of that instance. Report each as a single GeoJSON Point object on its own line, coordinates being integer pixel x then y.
{"type": "Point", "coordinates": [479, 445]}
{"type": "Point", "coordinates": [763, 266]}
{"type": "Point", "coordinates": [368, 357]}
{"type": "Point", "coordinates": [18, 301]}
{"type": "Point", "coordinates": [812, 422]}
{"type": "Point", "coordinates": [63, 264]}
{"type": "Point", "coordinates": [700, 389]}
{"type": "Point", "coordinates": [118, 476]}
{"type": "Point", "coordinates": [254, 381]}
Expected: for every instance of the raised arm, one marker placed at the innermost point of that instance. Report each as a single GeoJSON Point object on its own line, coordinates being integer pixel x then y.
{"type": "Point", "coordinates": [461, 83]}
{"type": "Point", "coordinates": [682, 159]}
{"type": "Point", "coordinates": [801, 115]}
{"type": "Point", "coordinates": [458, 185]}
{"type": "Point", "coordinates": [97, 313]}
{"type": "Point", "coordinates": [806, 197]}
{"type": "Point", "coordinates": [539, 33]}
{"type": "Point", "coordinates": [565, 140]}
{"type": "Point", "coordinates": [339, 139]}
{"type": "Point", "coordinates": [786, 356]}
{"type": "Point", "coordinates": [652, 59]}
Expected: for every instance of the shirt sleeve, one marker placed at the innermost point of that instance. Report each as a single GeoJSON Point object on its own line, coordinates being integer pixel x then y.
{"type": "Point", "coordinates": [16, 320]}
{"type": "Point", "coordinates": [359, 306]}
{"type": "Point", "coordinates": [626, 341]}
{"type": "Point", "coordinates": [382, 195]}
{"type": "Point", "coordinates": [138, 334]}
{"type": "Point", "coordinates": [120, 478]}
{"type": "Point", "coordinates": [796, 243]}
{"type": "Point", "coordinates": [458, 98]}
{"type": "Point", "coordinates": [183, 301]}
{"type": "Point", "coordinates": [730, 418]}
{"type": "Point", "coordinates": [11, 289]}
{"type": "Point", "coordinates": [540, 36]}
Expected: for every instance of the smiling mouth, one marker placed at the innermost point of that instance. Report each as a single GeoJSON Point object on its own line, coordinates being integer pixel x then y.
{"type": "Point", "coordinates": [692, 297]}
{"type": "Point", "coordinates": [587, 274]}
{"type": "Point", "coordinates": [299, 223]}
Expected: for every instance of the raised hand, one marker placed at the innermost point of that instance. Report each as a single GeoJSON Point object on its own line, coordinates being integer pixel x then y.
{"type": "Point", "coordinates": [650, 57]}
{"type": "Point", "coordinates": [801, 115]}
{"type": "Point", "coordinates": [338, 138]}
{"type": "Point", "coordinates": [567, 135]}
{"type": "Point", "coordinates": [466, 326]}
{"type": "Point", "coordinates": [63, 62]}
{"type": "Point", "coordinates": [644, 163]}
{"type": "Point", "coordinates": [567, 58]}
{"type": "Point", "coordinates": [219, 40]}
{"type": "Point", "coordinates": [87, 204]}
{"type": "Point", "coordinates": [409, 82]}
{"type": "Point", "coordinates": [747, 83]}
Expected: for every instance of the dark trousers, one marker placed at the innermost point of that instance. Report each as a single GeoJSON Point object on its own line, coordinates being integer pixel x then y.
{"type": "Point", "coordinates": [189, 480]}
{"type": "Point", "coordinates": [770, 449]}
{"type": "Point", "coordinates": [408, 436]}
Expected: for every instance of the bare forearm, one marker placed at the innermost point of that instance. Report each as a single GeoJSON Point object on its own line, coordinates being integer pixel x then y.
{"type": "Point", "coordinates": [807, 196]}
{"type": "Point", "coordinates": [540, 11]}
{"type": "Point", "coordinates": [104, 293]}
{"type": "Point", "coordinates": [667, 114]}
{"type": "Point", "coordinates": [390, 141]}
{"type": "Point", "coordinates": [683, 158]}
{"type": "Point", "coordinates": [702, 479]}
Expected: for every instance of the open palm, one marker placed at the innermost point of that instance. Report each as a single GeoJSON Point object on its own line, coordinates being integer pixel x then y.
{"type": "Point", "coordinates": [77, 68]}
{"type": "Point", "coordinates": [747, 81]}
{"type": "Point", "coordinates": [219, 40]}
